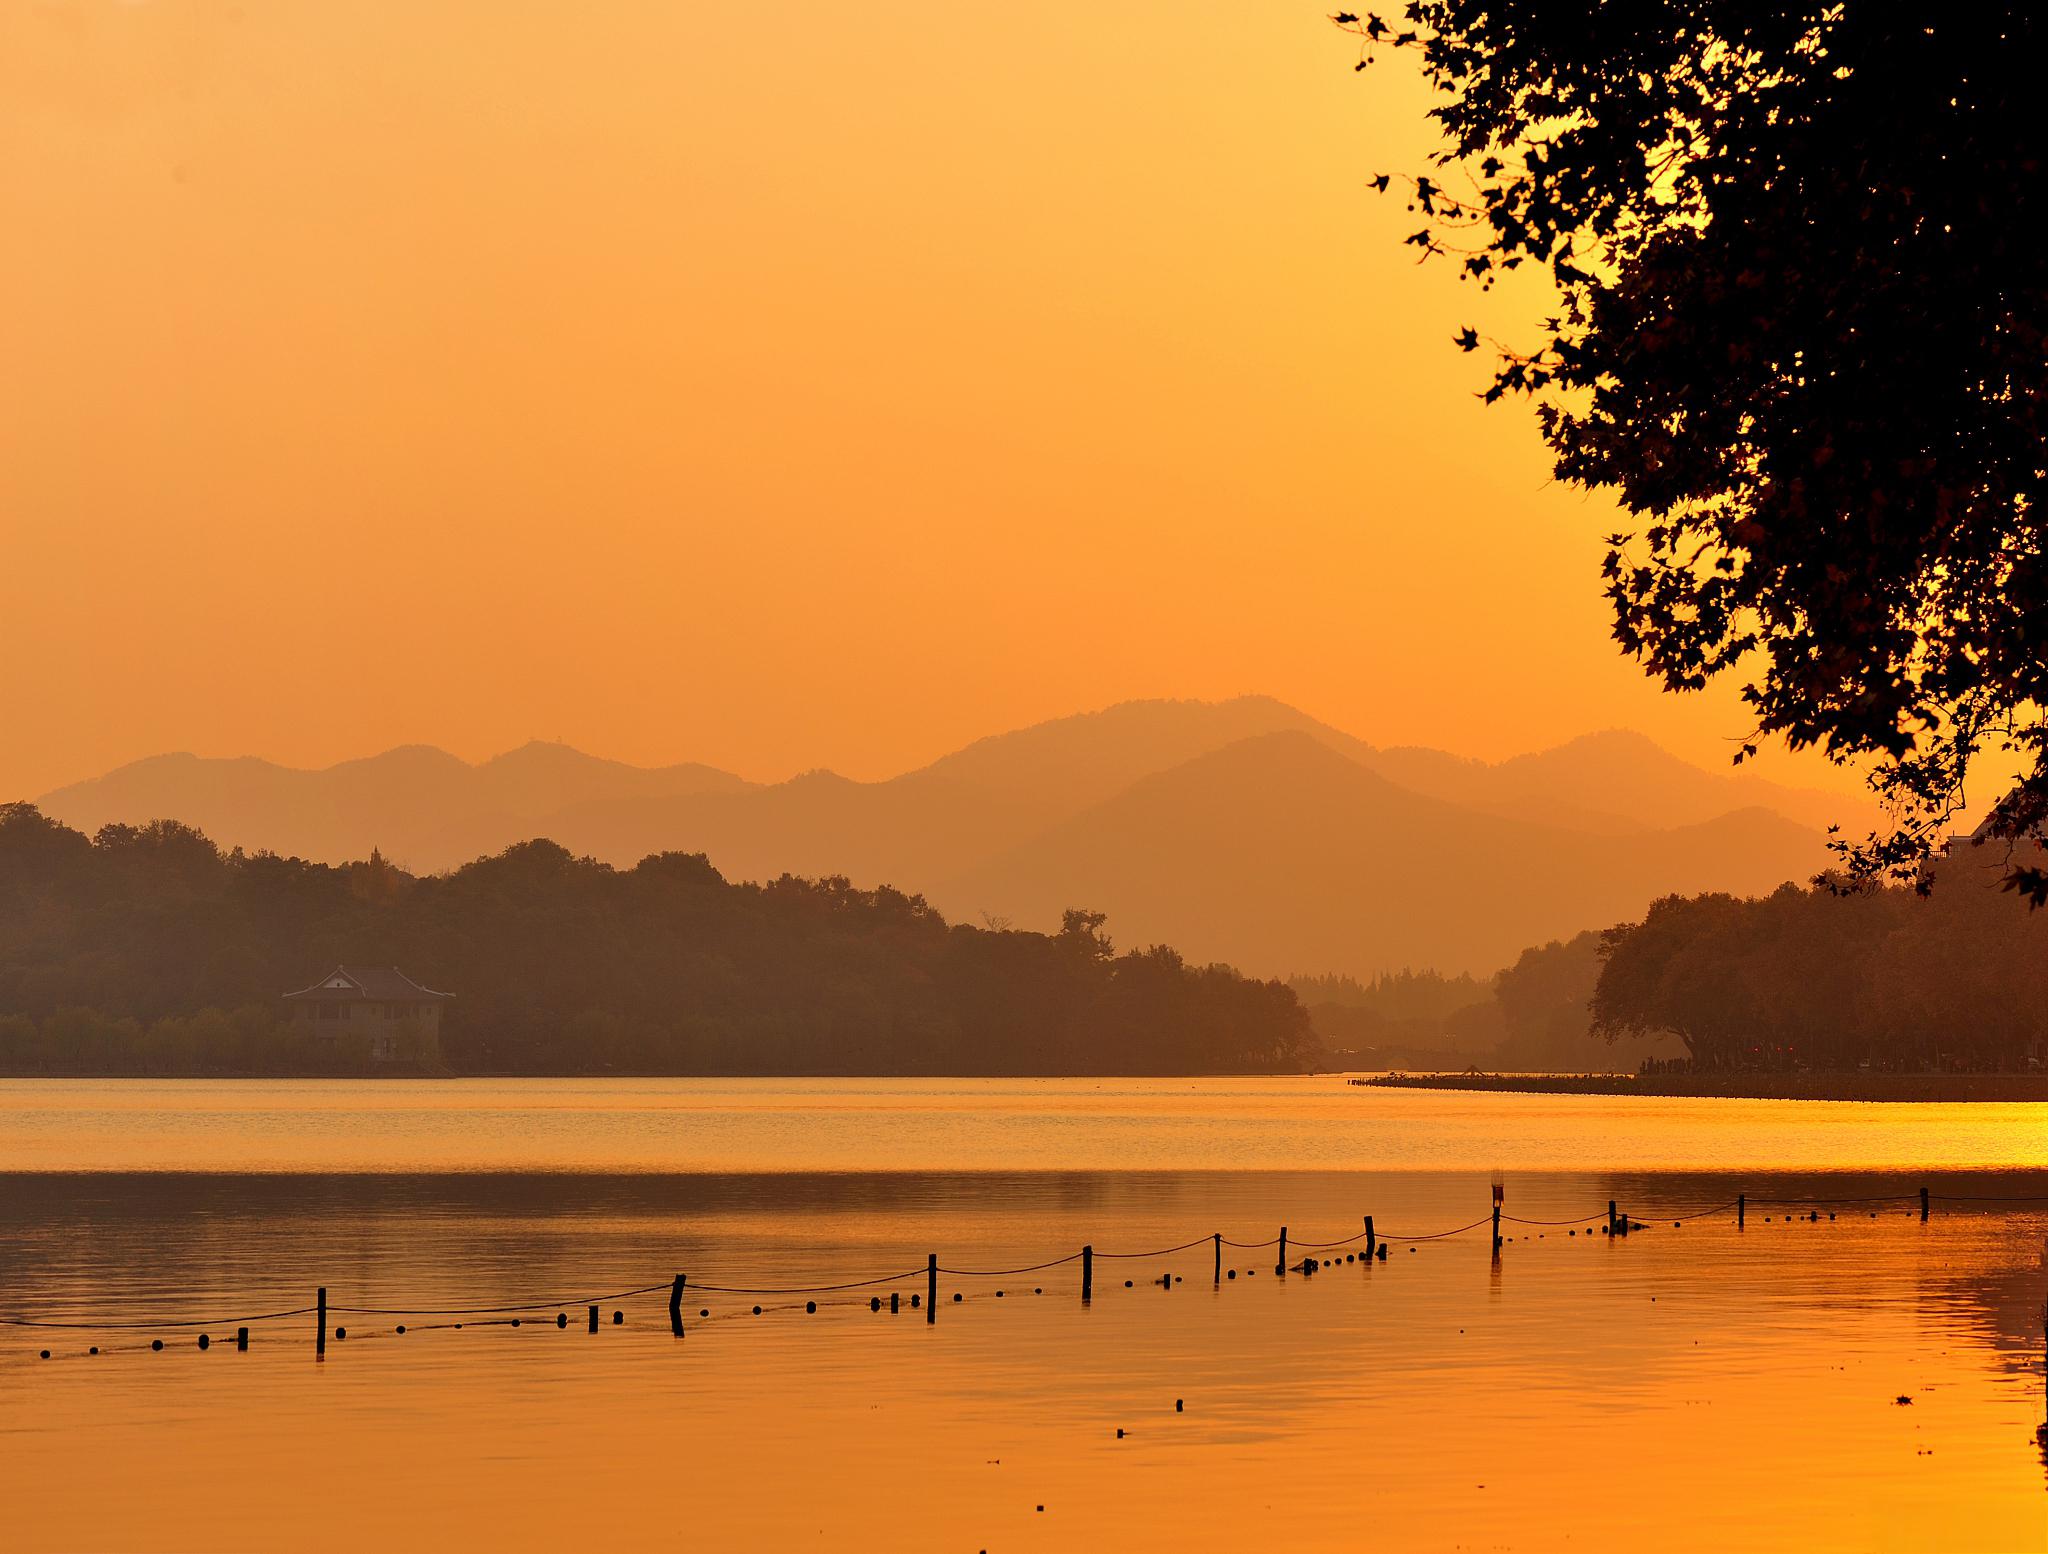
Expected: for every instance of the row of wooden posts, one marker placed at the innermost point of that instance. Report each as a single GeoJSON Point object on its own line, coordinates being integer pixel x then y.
{"type": "Point", "coordinates": [1617, 1225]}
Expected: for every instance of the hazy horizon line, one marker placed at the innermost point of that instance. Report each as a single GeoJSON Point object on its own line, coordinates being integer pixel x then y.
{"type": "Point", "coordinates": [562, 743]}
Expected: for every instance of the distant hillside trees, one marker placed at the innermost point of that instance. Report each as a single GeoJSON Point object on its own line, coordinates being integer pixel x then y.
{"type": "Point", "coordinates": [147, 949]}
{"type": "Point", "coordinates": [1402, 1017]}
{"type": "Point", "coordinates": [1396, 995]}
{"type": "Point", "coordinates": [1534, 1015]}
{"type": "Point", "coordinates": [1807, 978]}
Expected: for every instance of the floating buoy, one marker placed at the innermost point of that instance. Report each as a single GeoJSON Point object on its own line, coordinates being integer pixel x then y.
{"type": "Point", "coordinates": [812, 1306]}
{"type": "Point", "coordinates": [561, 1319]}
{"type": "Point", "coordinates": [1178, 1405]}
{"type": "Point", "coordinates": [205, 1342]}
{"type": "Point", "coordinates": [156, 1343]}
{"type": "Point", "coordinates": [618, 1319]}
{"type": "Point", "coordinates": [401, 1327]}
{"type": "Point", "coordinates": [875, 1303]}
{"type": "Point", "coordinates": [757, 1311]}
{"type": "Point", "coordinates": [342, 1332]}
{"type": "Point", "coordinates": [46, 1354]}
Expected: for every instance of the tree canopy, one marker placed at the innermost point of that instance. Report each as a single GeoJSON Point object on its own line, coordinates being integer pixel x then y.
{"type": "Point", "coordinates": [1800, 334]}
{"type": "Point", "coordinates": [1809, 978]}
{"type": "Point", "coordinates": [147, 949]}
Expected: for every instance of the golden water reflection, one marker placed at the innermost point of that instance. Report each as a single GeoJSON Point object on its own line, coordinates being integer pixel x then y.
{"type": "Point", "coordinates": [1693, 1386]}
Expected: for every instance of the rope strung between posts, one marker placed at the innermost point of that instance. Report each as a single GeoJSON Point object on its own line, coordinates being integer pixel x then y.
{"type": "Point", "coordinates": [805, 1289]}
{"type": "Point", "coordinates": [1964, 1197]}
{"type": "Point", "coordinates": [484, 1311]}
{"type": "Point", "coordinates": [997, 1273]}
{"type": "Point", "coordinates": [1441, 1235]}
{"type": "Point", "coordinates": [1901, 1197]}
{"type": "Point", "coordinates": [104, 1327]}
{"type": "Point", "coordinates": [1317, 1246]}
{"type": "Point", "coordinates": [562, 1302]}
{"type": "Point", "coordinates": [1165, 1251]}
{"type": "Point", "coordinates": [1588, 1219]}
{"type": "Point", "coordinates": [1583, 1219]}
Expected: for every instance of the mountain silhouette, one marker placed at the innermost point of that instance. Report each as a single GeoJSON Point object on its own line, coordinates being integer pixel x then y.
{"type": "Point", "coordinates": [420, 806]}
{"type": "Point", "coordinates": [1276, 852]}
{"type": "Point", "coordinates": [1244, 830]}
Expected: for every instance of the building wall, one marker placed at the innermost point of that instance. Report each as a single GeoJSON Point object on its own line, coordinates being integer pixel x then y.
{"type": "Point", "coordinates": [412, 1033]}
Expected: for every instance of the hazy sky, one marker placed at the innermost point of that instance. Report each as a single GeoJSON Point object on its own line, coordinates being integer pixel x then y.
{"type": "Point", "coordinates": [765, 385]}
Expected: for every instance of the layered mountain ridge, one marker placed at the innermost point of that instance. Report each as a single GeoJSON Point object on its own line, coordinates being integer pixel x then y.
{"type": "Point", "coordinates": [1242, 830]}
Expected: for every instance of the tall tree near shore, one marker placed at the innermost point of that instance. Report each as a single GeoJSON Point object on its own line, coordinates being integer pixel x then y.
{"type": "Point", "coordinates": [1802, 333]}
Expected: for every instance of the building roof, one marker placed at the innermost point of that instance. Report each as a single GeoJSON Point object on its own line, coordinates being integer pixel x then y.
{"type": "Point", "coordinates": [384, 984]}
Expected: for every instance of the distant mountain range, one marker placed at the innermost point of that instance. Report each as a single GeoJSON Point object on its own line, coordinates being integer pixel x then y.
{"type": "Point", "coordinates": [1242, 830]}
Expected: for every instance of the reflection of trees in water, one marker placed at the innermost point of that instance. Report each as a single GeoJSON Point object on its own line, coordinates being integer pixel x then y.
{"type": "Point", "coordinates": [1987, 1285]}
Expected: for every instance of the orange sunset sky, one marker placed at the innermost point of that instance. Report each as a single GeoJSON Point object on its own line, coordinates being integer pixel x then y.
{"type": "Point", "coordinates": [772, 386]}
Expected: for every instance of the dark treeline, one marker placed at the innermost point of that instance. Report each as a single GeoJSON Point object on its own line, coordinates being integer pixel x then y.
{"type": "Point", "coordinates": [1534, 1014]}
{"type": "Point", "coordinates": [1400, 1016]}
{"type": "Point", "coordinates": [148, 950]}
{"type": "Point", "coordinates": [1395, 996]}
{"type": "Point", "coordinates": [1955, 979]}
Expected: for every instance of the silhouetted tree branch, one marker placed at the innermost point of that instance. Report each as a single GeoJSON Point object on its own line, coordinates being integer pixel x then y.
{"type": "Point", "coordinates": [1800, 335]}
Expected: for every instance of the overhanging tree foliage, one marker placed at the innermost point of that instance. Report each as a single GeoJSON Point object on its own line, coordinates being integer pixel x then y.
{"type": "Point", "coordinates": [1800, 336]}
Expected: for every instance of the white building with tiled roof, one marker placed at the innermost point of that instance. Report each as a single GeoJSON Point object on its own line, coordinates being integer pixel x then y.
{"type": "Point", "coordinates": [381, 1005]}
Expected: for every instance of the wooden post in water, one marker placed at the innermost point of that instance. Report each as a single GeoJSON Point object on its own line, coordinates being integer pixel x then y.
{"type": "Point", "coordinates": [1923, 1205]}
{"type": "Point", "coordinates": [1368, 1238]}
{"type": "Point", "coordinates": [1087, 1273]}
{"type": "Point", "coordinates": [593, 1319]}
{"type": "Point", "coordinates": [320, 1324]}
{"type": "Point", "coordinates": [1741, 1208]}
{"type": "Point", "coordinates": [1610, 1219]}
{"type": "Point", "coordinates": [931, 1287]}
{"type": "Point", "coordinates": [675, 1307]}
{"type": "Point", "coordinates": [1496, 1230]}
{"type": "Point", "coordinates": [1219, 1257]}
{"type": "Point", "coordinates": [242, 1338]}
{"type": "Point", "coordinates": [1282, 1269]}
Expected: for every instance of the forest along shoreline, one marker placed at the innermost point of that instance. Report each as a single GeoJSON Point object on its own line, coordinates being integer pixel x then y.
{"type": "Point", "coordinates": [1744, 1087]}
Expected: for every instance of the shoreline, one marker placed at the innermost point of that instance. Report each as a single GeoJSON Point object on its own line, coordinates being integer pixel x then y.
{"type": "Point", "coordinates": [1738, 1087]}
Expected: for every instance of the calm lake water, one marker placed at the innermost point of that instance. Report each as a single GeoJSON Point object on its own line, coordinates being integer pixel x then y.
{"type": "Point", "coordinates": [1694, 1386]}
